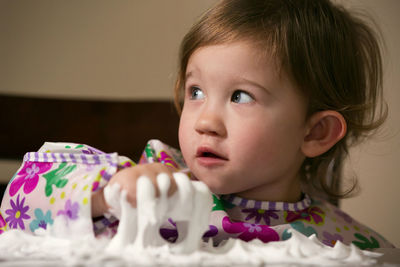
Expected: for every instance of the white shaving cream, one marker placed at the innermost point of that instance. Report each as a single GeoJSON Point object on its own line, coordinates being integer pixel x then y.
{"type": "Point", "coordinates": [138, 241]}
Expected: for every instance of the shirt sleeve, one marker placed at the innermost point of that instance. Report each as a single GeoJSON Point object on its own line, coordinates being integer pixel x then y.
{"type": "Point", "coordinates": [58, 180]}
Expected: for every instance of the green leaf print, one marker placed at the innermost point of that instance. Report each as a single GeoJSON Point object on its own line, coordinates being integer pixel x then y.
{"type": "Point", "coordinates": [365, 242]}
{"type": "Point", "coordinates": [76, 147]}
{"type": "Point", "coordinates": [217, 203]}
{"type": "Point", "coordinates": [149, 151]}
{"type": "Point", "coordinates": [56, 177]}
{"type": "Point", "coordinates": [221, 204]}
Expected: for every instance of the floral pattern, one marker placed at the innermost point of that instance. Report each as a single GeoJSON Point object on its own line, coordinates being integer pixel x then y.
{"type": "Point", "coordinates": [312, 214]}
{"type": "Point", "coordinates": [221, 204]}
{"type": "Point", "coordinates": [85, 149]}
{"type": "Point", "coordinates": [70, 210]}
{"type": "Point", "coordinates": [213, 231]}
{"type": "Point", "coordinates": [28, 177]}
{"type": "Point", "coordinates": [364, 243]}
{"type": "Point", "coordinates": [101, 174]}
{"type": "Point", "coordinates": [17, 214]}
{"type": "Point", "coordinates": [300, 227]}
{"type": "Point", "coordinates": [344, 215]}
{"type": "Point", "coordinates": [127, 164]}
{"type": "Point", "coordinates": [147, 155]}
{"type": "Point", "coordinates": [41, 221]}
{"type": "Point", "coordinates": [331, 239]}
{"type": "Point", "coordinates": [3, 224]}
{"type": "Point", "coordinates": [167, 160]}
{"type": "Point", "coordinates": [170, 234]}
{"type": "Point", "coordinates": [57, 177]}
{"type": "Point", "coordinates": [249, 231]}
{"type": "Point", "coordinates": [259, 214]}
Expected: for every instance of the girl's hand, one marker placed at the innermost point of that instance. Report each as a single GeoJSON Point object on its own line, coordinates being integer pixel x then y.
{"type": "Point", "coordinates": [127, 179]}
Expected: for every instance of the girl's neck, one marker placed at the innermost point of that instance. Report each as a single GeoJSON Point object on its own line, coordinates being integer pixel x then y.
{"type": "Point", "coordinates": [276, 193]}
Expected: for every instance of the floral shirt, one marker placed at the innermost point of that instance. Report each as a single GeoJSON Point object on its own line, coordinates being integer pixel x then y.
{"type": "Point", "coordinates": [59, 179]}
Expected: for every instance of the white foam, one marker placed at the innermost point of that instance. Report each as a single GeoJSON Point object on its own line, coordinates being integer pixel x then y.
{"type": "Point", "coordinates": [138, 242]}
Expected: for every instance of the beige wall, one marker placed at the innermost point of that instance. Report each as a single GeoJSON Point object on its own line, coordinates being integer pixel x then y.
{"type": "Point", "coordinates": [126, 49]}
{"type": "Point", "coordinates": [377, 162]}
{"type": "Point", "coordinates": [93, 48]}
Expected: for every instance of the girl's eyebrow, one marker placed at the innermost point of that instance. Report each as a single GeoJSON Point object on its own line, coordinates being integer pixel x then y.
{"type": "Point", "coordinates": [189, 74]}
{"type": "Point", "coordinates": [244, 80]}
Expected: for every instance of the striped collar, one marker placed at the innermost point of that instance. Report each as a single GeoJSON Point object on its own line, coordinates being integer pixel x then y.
{"type": "Point", "coordinates": [268, 205]}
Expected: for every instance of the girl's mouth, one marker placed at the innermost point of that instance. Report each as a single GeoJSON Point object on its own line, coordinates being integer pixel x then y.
{"type": "Point", "coordinates": [209, 157]}
{"type": "Point", "coordinates": [209, 153]}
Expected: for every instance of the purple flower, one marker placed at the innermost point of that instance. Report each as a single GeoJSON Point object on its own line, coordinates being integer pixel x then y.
{"type": "Point", "coordinates": [260, 214]}
{"type": "Point", "coordinates": [249, 231]}
{"type": "Point", "coordinates": [17, 214]}
{"type": "Point", "coordinates": [28, 177]}
{"type": "Point", "coordinates": [344, 215]}
{"type": "Point", "coordinates": [331, 239]}
{"type": "Point", "coordinates": [170, 234]}
{"type": "Point", "coordinates": [212, 232]}
{"type": "Point", "coordinates": [70, 210]}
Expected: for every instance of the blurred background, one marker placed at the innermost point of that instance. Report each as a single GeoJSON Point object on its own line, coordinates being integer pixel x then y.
{"type": "Point", "coordinates": [126, 50]}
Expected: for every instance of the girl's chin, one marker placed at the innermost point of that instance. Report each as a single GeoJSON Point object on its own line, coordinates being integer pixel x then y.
{"type": "Point", "coordinates": [217, 189]}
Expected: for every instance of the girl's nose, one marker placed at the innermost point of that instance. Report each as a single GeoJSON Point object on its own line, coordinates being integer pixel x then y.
{"type": "Point", "coordinates": [210, 122]}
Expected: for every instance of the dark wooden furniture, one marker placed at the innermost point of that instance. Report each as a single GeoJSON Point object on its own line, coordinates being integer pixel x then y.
{"type": "Point", "coordinates": [111, 126]}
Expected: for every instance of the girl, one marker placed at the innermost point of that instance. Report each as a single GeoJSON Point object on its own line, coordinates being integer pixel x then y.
{"type": "Point", "coordinates": [271, 93]}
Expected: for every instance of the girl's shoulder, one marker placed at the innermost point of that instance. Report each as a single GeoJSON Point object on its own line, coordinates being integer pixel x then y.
{"type": "Point", "coordinates": [310, 216]}
{"type": "Point", "coordinates": [332, 224]}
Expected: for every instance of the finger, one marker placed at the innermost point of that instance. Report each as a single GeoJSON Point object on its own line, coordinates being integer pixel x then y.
{"type": "Point", "coordinates": [173, 187]}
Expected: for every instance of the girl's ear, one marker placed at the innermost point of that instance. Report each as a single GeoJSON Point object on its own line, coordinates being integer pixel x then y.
{"type": "Point", "coordinates": [324, 130]}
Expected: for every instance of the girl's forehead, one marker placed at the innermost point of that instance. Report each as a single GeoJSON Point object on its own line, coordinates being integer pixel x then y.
{"type": "Point", "coordinates": [251, 49]}
{"type": "Point", "coordinates": [237, 52]}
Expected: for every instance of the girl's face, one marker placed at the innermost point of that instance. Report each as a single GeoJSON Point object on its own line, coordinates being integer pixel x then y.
{"type": "Point", "coordinates": [242, 124]}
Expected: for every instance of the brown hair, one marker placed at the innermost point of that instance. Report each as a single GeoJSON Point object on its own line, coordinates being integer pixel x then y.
{"type": "Point", "coordinates": [331, 55]}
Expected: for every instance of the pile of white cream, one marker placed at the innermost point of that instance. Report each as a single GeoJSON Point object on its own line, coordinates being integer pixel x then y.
{"type": "Point", "coordinates": [138, 242]}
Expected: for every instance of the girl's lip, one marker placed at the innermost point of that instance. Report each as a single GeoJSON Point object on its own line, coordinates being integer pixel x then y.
{"type": "Point", "coordinates": [208, 157]}
{"type": "Point", "coordinates": [207, 152]}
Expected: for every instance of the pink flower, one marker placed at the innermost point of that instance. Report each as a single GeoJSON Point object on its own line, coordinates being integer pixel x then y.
{"type": "Point", "coordinates": [249, 231]}
{"type": "Point", "coordinates": [3, 224]}
{"type": "Point", "coordinates": [28, 177]}
{"type": "Point", "coordinates": [311, 214]}
{"type": "Point", "coordinates": [167, 160]}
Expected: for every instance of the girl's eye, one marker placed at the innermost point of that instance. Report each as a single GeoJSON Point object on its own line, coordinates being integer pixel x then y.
{"type": "Point", "coordinates": [241, 97]}
{"type": "Point", "coordinates": [196, 93]}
